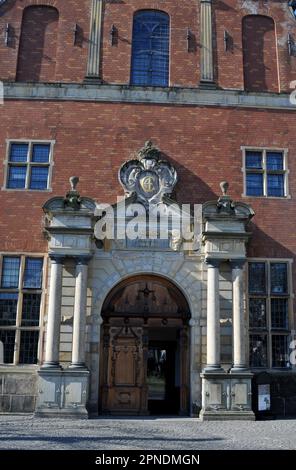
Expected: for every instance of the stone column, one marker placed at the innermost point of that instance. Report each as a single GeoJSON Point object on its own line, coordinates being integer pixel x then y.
{"type": "Point", "coordinates": [54, 314]}
{"type": "Point", "coordinates": [94, 52]}
{"type": "Point", "coordinates": [213, 316]}
{"type": "Point", "coordinates": [239, 339]}
{"type": "Point", "coordinates": [206, 39]}
{"type": "Point", "coordinates": [78, 342]}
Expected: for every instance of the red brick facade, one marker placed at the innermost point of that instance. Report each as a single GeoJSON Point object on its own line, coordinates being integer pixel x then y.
{"type": "Point", "coordinates": [184, 66]}
{"type": "Point", "coordinates": [93, 139]}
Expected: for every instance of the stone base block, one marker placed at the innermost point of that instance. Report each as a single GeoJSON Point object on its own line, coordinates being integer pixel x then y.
{"type": "Point", "coordinates": [62, 393]}
{"type": "Point", "coordinates": [226, 415]}
{"type": "Point", "coordinates": [226, 396]}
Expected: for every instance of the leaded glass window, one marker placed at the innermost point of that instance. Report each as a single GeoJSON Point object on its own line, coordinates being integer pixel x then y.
{"type": "Point", "coordinates": [20, 304]}
{"type": "Point", "coordinates": [269, 297]}
{"type": "Point", "coordinates": [150, 49]}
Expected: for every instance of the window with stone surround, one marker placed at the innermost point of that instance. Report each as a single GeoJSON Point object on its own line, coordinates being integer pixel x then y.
{"type": "Point", "coordinates": [28, 165]}
{"type": "Point", "coordinates": [150, 48]}
{"type": "Point", "coordinates": [269, 300]}
{"type": "Point", "coordinates": [21, 282]}
{"type": "Point", "coordinates": [265, 172]}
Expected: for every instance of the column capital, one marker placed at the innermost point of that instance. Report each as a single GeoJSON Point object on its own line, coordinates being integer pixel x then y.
{"type": "Point", "coordinates": [213, 262]}
{"type": "Point", "coordinates": [57, 259]}
{"type": "Point", "coordinates": [237, 263]}
{"type": "Point", "coordinates": [82, 259]}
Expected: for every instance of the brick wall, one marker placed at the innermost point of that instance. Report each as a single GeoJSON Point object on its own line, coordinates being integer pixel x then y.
{"type": "Point", "coordinates": [94, 139]}
{"type": "Point", "coordinates": [228, 16]}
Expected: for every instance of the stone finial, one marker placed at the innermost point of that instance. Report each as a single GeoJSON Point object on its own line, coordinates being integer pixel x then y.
{"type": "Point", "coordinates": [74, 180]}
{"type": "Point", "coordinates": [72, 199]}
{"type": "Point", "coordinates": [225, 204]}
{"type": "Point", "coordinates": [224, 185]}
{"type": "Point", "coordinates": [149, 151]}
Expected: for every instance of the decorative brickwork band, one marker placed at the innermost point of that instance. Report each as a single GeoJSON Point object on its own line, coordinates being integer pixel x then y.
{"type": "Point", "coordinates": [207, 72]}
{"type": "Point", "coordinates": [94, 55]}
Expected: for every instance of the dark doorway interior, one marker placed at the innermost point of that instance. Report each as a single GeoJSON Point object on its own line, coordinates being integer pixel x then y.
{"type": "Point", "coordinates": [163, 372]}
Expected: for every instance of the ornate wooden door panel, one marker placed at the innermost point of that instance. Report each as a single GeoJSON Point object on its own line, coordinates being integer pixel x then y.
{"type": "Point", "coordinates": [125, 380]}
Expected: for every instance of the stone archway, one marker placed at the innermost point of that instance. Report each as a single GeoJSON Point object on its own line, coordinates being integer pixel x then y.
{"type": "Point", "coordinates": [145, 348]}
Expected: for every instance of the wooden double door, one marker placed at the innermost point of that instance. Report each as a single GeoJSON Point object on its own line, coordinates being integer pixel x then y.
{"type": "Point", "coordinates": [144, 369]}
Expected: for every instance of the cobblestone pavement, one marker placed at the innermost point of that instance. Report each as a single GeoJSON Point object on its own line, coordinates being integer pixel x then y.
{"type": "Point", "coordinates": [27, 432]}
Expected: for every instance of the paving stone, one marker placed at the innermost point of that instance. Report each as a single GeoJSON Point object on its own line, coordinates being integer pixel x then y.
{"type": "Point", "coordinates": [27, 432]}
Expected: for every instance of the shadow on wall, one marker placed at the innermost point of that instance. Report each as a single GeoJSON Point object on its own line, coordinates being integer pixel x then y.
{"type": "Point", "coordinates": [196, 191]}
{"type": "Point", "coordinates": [9, 5]}
{"type": "Point", "coordinates": [262, 245]}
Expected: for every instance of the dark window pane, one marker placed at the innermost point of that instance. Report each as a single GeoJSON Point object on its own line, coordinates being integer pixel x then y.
{"type": "Point", "coordinates": [31, 309]}
{"type": "Point", "coordinates": [254, 160]}
{"type": "Point", "coordinates": [257, 313]}
{"type": "Point", "coordinates": [7, 338]}
{"type": "Point", "coordinates": [279, 278]}
{"type": "Point", "coordinates": [10, 272]}
{"type": "Point", "coordinates": [279, 313]}
{"type": "Point", "coordinates": [41, 153]}
{"type": "Point", "coordinates": [150, 49]}
{"type": "Point", "coordinates": [280, 356]}
{"type": "Point", "coordinates": [17, 177]}
{"type": "Point", "coordinates": [29, 347]}
{"type": "Point", "coordinates": [39, 177]}
{"type": "Point", "coordinates": [8, 307]}
{"type": "Point", "coordinates": [258, 351]}
{"type": "Point", "coordinates": [274, 161]}
{"type": "Point", "coordinates": [33, 273]}
{"type": "Point", "coordinates": [18, 153]}
{"type": "Point", "coordinates": [257, 284]}
{"type": "Point", "coordinates": [254, 184]}
{"type": "Point", "coordinates": [275, 185]}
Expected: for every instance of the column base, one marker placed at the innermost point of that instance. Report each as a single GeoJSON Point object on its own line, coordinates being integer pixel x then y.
{"type": "Point", "coordinates": [214, 370]}
{"type": "Point", "coordinates": [62, 393]}
{"type": "Point", "coordinates": [78, 366]}
{"type": "Point", "coordinates": [51, 365]}
{"type": "Point", "coordinates": [239, 370]}
{"type": "Point", "coordinates": [92, 80]}
{"type": "Point", "coordinates": [207, 84]}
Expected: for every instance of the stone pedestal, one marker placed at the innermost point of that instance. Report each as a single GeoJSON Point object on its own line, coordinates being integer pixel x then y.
{"type": "Point", "coordinates": [62, 393]}
{"type": "Point", "coordinates": [226, 396]}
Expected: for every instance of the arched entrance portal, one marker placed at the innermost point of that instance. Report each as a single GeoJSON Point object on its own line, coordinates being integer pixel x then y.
{"type": "Point", "coordinates": [144, 349]}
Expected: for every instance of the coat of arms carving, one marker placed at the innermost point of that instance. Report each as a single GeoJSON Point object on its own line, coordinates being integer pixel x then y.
{"type": "Point", "coordinates": [148, 177]}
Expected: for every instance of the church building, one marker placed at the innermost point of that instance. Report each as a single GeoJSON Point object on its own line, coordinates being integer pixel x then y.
{"type": "Point", "coordinates": [147, 208]}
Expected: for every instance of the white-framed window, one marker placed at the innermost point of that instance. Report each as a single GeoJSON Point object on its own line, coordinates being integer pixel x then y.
{"type": "Point", "coordinates": [21, 299]}
{"type": "Point", "coordinates": [265, 172]}
{"type": "Point", "coordinates": [28, 165]}
{"type": "Point", "coordinates": [269, 307]}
